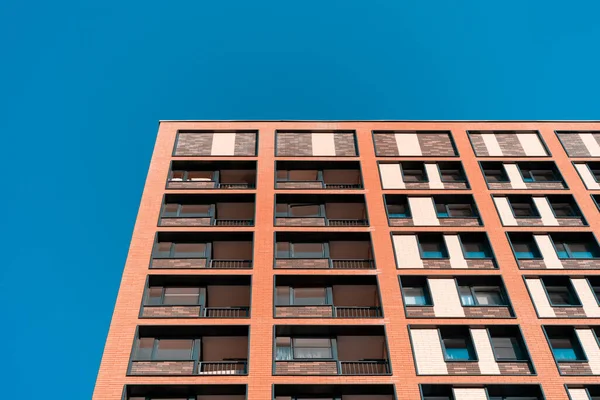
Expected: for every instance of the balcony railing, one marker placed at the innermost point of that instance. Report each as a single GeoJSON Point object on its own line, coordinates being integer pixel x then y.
{"type": "Point", "coordinates": [347, 222]}
{"type": "Point", "coordinates": [233, 222]}
{"type": "Point", "coordinates": [222, 368]}
{"type": "Point", "coordinates": [357, 312]}
{"type": "Point", "coordinates": [352, 264]}
{"type": "Point", "coordinates": [317, 185]}
{"type": "Point", "coordinates": [230, 264]}
{"type": "Point", "coordinates": [343, 185]}
{"type": "Point", "coordinates": [226, 312]}
{"type": "Point", "coordinates": [366, 367]}
{"type": "Point", "coordinates": [193, 311]}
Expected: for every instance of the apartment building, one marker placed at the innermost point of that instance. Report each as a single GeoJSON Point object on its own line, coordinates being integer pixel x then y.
{"type": "Point", "coordinates": [361, 260]}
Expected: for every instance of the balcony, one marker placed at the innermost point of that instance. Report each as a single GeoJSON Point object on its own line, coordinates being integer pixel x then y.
{"type": "Point", "coordinates": [455, 297]}
{"type": "Point", "coordinates": [558, 250]}
{"type": "Point", "coordinates": [310, 250]}
{"type": "Point", "coordinates": [337, 392]}
{"type": "Point", "coordinates": [185, 392]}
{"type": "Point", "coordinates": [190, 350]}
{"type": "Point", "coordinates": [199, 250]}
{"type": "Point", "coordinates": [438, 210]}
{"type": "Point", "coordinates": [565, 296]}
{"type": "Point", "coordinates": [414, 175]}
{"type": "Point", "coordinates": [589, 172]}
{"type": "Point", "coordinates": [470, 350]}
{"type": "Point", "coordinates": [207, 210]}
{"type": "Point", "coordinates": [196, 296]}
{"type": "Point", "coordinates": [431, 250]}
{"type": "Point", "coordinates": [230, 175]}
{"type": "Point", "coordinates": [477, 391]}
{"type": "Point", "coordinates": [330, 350]}
{"type": "Point", "coordinates": [334, 175]}
{"type": "Point", "coordinates": [549, 210]}
{"type": "Point", "coordinates": [414, 144]}
{"type": "Point", "coordinates": [576, 349]}
{"type": "Point", "coordinates": [320, 210]}
{"type": "Point", "coordinates": [315, 296]}
{"type": "Point", "coordinates": [321, 143]}
{"type": "Point", "coordinates": [535, 175]}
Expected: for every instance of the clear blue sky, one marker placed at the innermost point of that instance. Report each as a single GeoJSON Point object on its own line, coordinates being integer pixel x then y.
{"type": "Point", "coordinates": [83, 84]}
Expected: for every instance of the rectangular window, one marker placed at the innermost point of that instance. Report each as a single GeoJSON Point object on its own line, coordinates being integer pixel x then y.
{"type": "Point", "coordinates": [303, 175]}
{"type": "Point", "coordinates": [304, 210]}
{"type": "Point", "coordinates": [416, 296]}
{"type": "Point", "coordinates": [432, 247]}
{"type": "Point", "coordinates": [195, 210]}
{"type": "Point", "coordinates": [566, 248]}
{"type": "Point", "coordinates": [560, 291]}
{"type": "Point", "coordinates": [182, 296]}
{"type": "Point", "coordinates": [476, 249]}
{"type": "Point", "coordinates": [163, 249]}
{"type": "Point", "coordinates": [309, 296]}
{"type": "Point", "coordinates": [453, 210]}
{"type": "Point", "coordinates": [398, 211]}
{"type": "Point", "coordinates": [458, 347]}
{"type": "Point", "coordinates": [283, 249]}
{"type": "Point", "coordinates": [413, 172]}
{"type": "Point", "coordinates": [563, 210]}
{"type": "Point", "coordinates": [304, 348]}
{"type": "Point", "coordinates": [481, 296]}
{"type": "Point", "coordinates": [523, 210]}
{"type": "Point", "coordinates": [496, 175]}
{"type": "Point", "coordinates": [507, 348]}
{"type": "Point", "coordinates": [525, 249]}
{"type": "Point", "coordinates": [164, 349]}
{"type": "Point", "coordinates": [451, 175]}
{"type": "Point", "coordinates": [308, 250]}
{"type": "Point", "coordinates": [282, 295]}
{"type": "Point", "coordinates": [199, 176]}
{"type": "Point", "coordinates": [566, 348]}
{"type": "Point", "coordinates": [189, 250]}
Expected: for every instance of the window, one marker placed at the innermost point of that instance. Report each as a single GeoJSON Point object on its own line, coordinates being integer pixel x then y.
{"type": "Point", "coordinates": [474, 248]}
{"type": "Point", "coordinates": [457, 345]}
{"type": "Point", "coordinates": [192, 176]}
{"type": "Point", "coordinates": [563, 210]}
{"type": "Point", "coordinates": [453, 210]}
{"type": "Point", "coordinates": [298, 210]}
{"type": "Point", "coordinates": [560, 291]}
{"type": "Point", "coordinates": [595, 170]}
{"type": "Point", "coordinates": [180, 250]}
{"type": "Point", "coordinates": [414, 175]}
{"type": "Point", "coordinates": [300, 250]}
{"type": "Point", "coordinates": [164, 349]}
{"type": "Point", "coordinates": [496, 175]}
{"type": "Point", "coordinates": [416, 296]}
{"type": "Point", "coordinates": [516, 392]}
{"type": "Point", "coordinates": [303, 348]}
{"type": "Point", "coordinates": [432, 247]}
{"type": "Point", "coordinates": [451, 175]}
{"type": "Point", "coordinates": [187, 210]}
{"type": "Point", "coordinates": [298, 175]}
{"type": "Point", "coordinates": [594, 282]}
{"type": "Point", "coordinates": [507, 348]}
{"type": "Point", "coordinates": [173, 296]}
{"type": "Point", "coordinates": [302, 296]}
{"type": "Point", "coordinates": [481, 296]}
{"type": "Point", "coordinates": [523, 209]}
{"type": "Point", "coordinates": [537, 175]}
{"type": "Point", "coordinates": [525, 247]}
{"type": "Point", "coordinates": [564, 343]}
{"type": "Point", "coordinates": [573, 248]}
{"type": "Point", "coordinates": [398, 211]}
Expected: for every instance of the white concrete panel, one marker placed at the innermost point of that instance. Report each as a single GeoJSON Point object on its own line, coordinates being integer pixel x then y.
{"type": "Point", "coordinates": [578, 394]}
{"type": "Point", "coordinates": [588, 341]}
{"type": "Point", "coordinates": [223, 144]}
{"type": "Point", "coordinates": [505, 211]}
{"type": "Point", "coordinates": [457, 258]}
{"type": "Point", "coordinates": [469, 394]}
{"type": "Point", "coordinates": [408, 144]}
{"type": "Point", "coordinates": [391, 176]}
{"type": "Point", "coordinates": [540, 300]}
{"type": "Point", "coordinates": [531, 144]}
{"type": "Point", "coordinates": [446, 301]}
{"type": "Point", "coordinates": [587, 297]}
{"type": "Point", "coordinates": [434, 176]}
{"type": "Point", "coordinates": [515, 177]}
{"type": "Point", "coordinates": [587, 177]}
{"type": "Point", "coordinates": [423, 211]}
{"type": "Point", "coordinates": [406, 248]}
{"type": "Point", "coordinates": [491, 143]}
{"type": "Point", "coordinates": [590, 142]}
{"type": "Point", "coordinates": [485, 353]}
{"type": "Point", "coordinates": [548, 252]}
{"type": "Point", "coordinates": [543, 206]}
{"type": "Point", "coordinates": [323, 144]}
{"type": "Point", "coordinates": [428, 353]}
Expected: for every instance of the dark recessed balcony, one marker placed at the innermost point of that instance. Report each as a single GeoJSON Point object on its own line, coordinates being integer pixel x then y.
{"type": "Point", "coordinates": [320, 210]}
{"type": "Point", "coordinates": [310, 250]}
{"type": "Point", "coordinates": [334, 392]}
{"type": "Point", "coordinates": [185, 392]}
{"type": "Point", "coordinates": [318, 175]}
{"type": "Point", "coordinates": [187, 250]}
{"type": "Point", "coordinates": [330, 350]}
{"type": "Point", "coordinates": [207, 210]}
{"type": "Point", "coordinates": [196, 296]}
{"type": "Point", "coordinates": [234, 175]}
{"type": "Point", "coordinates": [302, 296]}
{"type": "Point", "coordinates": [190, 350]}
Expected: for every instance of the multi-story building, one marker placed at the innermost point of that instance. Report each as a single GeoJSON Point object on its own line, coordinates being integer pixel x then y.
{"type": "Point", "coordinates": [362, 260]}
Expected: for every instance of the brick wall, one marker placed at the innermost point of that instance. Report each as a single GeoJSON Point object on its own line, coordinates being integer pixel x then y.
{"type": "Point", "coordinates": [569, 312]}
{"type": "Point", "coordinates": [463, 368]}
{"type": "Point", "coordinates": [306, 368]}
{"type": "Point", "coordinates": [179, 263]}
{"type": "Point", "coordinates": [303, 312]}
{"type": "Point", "coordinates": [515, 368]}
{"type": "Point", "coordinates": [574, 368]}
{"type": "Point", "coordinates": [420, 312]}
{"type": "Point", "coordinates": [300, 185]}
{"type": "Point", "coordinates": [385, 144]}
{"type": "Point", "coordinates": [185, 222]}
{"type": "Point", "coordinates": [436, 144]}
{"type": "Point", "coordinates": [459, 222]}
{"type": "Point", "coordinates": [245, 144]}
{"type": "Point", "coordinates": [401, 222]}
{"type": "Point", "coordinates": [162, 368]}
{"type": "Point", "coordinates": [344, 144]}
{"type": "Point", "coordinates": [487, 312]}
{"type": "Point", "coordinates": [294, 144]}
{"type": "Point", "coordinates": [300, 221]}
{"type": "Point", "coordinates": [437, 263]}
{"type": "Point", "coordinates": [573, 221]}
{"type": "Point", "coordinates": [194, 144]}
{"type": "Point", "coordinates": [481, 264]}
{"type": "Point", "coordinates": [510, 145]}
{"type": "Point", "coordinates": [171, 311]}
{"type": "Point", "coordinates": [309, 263]}
{"type": "Point", "coordinates": [456, 185]}
{"type": "Point", "coordinates": [191, 185]}
{"type": "Point", "coordinates": [574, 146]}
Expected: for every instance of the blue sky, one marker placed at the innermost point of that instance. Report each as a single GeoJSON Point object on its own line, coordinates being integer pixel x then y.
{"type": "Point", "coordinates": [84, 84]}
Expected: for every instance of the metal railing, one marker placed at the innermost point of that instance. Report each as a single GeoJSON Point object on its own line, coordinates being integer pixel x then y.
{"type": "Point", "coordinates": [230, 264]}
{"type": "Point", "coordinates": [356, 312]}
{"type": "Point", "coordinates": [226, 312]}
{"type": "Point", "coordinates": [347, 222]}
{"type": "Point", "coordinates": [233, 222]}
{"type": "Point", "coordinates": [352, 264]}
{"type": "Point", "coordinates": [343, 185]}
{"type": "Point", "coordinates": [369, 367]}
{"type": "Point", "coordinates": [241, 185]}
{"type": "Point", "coordinates": [222, 368]}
